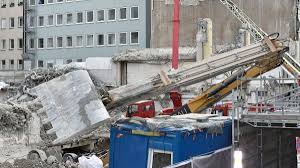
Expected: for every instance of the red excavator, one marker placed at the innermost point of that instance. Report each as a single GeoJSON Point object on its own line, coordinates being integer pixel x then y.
{"type": "Point", "coordinates": [146, 108]}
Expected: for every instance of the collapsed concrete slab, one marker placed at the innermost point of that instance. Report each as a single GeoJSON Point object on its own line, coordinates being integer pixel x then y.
{"type": "Point", "coordinates": [70, 105]}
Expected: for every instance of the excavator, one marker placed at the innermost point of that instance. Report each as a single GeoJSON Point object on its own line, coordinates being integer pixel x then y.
{"type": "Point", "coordinates": [218, 91]}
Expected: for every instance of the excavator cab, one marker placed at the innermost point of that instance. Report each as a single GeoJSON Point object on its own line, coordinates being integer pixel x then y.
{"type": "Point", "coordinates": [143, 109]}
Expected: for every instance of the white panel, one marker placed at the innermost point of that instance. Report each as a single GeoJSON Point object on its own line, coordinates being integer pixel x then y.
{"type": "Point", "coordinates": [99, 63]}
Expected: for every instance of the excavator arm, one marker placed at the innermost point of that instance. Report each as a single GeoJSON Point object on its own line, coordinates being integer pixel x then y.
{"type": "Point", "coordinates": [221, 90]}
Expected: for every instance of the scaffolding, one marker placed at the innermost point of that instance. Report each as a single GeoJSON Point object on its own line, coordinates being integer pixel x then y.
{"type": "Point", "coordinates": [277, 103]}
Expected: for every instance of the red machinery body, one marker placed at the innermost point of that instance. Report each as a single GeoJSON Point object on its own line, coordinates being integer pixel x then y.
{"type": "Point", "coordinates": [261, 107]}
{"type": "Point", "coordinates": [146, 108]}
{"type": "Point", "coordinates": [223, 108]}
{"type": "Point", "coordinates": [176, 98]}
{"type": "Point", "coordinates": [143, 109]}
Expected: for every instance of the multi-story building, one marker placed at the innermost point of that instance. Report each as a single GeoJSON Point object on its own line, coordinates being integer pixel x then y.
{"type": "Point", "coordinates": [11, 35]}
{"type": "Point", "coordinates": [64, 31]}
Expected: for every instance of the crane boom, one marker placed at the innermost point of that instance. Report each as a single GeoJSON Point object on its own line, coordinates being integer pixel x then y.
{"type": "Point", "coordinates": [208, 68]}
{"type": "Point", "coordinates": [290, 64]}
{"type": "Point", "coordinates": [221, 90]}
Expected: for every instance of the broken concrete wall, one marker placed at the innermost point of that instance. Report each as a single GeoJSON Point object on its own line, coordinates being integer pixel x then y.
{"type": "Point", "coordinates": [271, 15]}
{"type": "Point", "coordinates": [70, 105]}
{"type": "Point", "coordinates": [16, 143]}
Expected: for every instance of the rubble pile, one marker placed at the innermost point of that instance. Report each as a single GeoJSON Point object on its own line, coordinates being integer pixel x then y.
{"type": "Point", "coordinates": [13, 117]}
{"type": "Point", "coordinates": [27, 163]}
{"type": "Point", "coordinates": [19, 109]}
{"type": "Point", "coordinates": [38, 76]}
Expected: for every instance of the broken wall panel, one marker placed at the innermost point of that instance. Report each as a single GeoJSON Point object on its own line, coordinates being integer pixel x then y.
{"type": "Point", "coordinates": [71, 104]}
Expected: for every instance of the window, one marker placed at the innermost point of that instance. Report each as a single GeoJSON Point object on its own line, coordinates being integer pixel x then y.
{"type": "Point", "coordinates": [50, 42]}
{"type": "Point", "coordinates": [79, 60]}
{"type": "Point", "coordinates": [20, 64]}
{"type": "Point", "coordinates": [112, 14]}
{"type": "Point", "coordinates": [90, 40]}
{"type": "Point", "coordinates": [123, 38]}
{"type": "Point", "coordinates": [3, 3]}
{"type": "Point", "coordinates": [11, 64]}
{"type": "Point", "coordinates": [111, 39]}
{"type": "Point", "coordinates": [69, 61]}
{"type": "Point", "coordinates": [158, 158]}
{"type": "Point", "coordinates": [69, 18]}
{"type": "Point", "coordinates": [50, 1]}
{"type": "Point", "coordinates": [59, 1]}
{"type": "Point", "coordinates": [50, 65]}
{"type": "Point", "coordinates": [40, 43]}
{"type": "Point", "coordinates": [20, 21]}
{"type": "Point", "coordinates": [123, 13]}
{"type": "Point", "coordinates": [100, 39]}
{"type": "Point", "coordinates": [90, 16]}
{"type": "Point", "coordinates": [134, 12]}
{"type": "Point", "coordinates": [11, 44]}
{"type": "Point", "coordinates": [12, 3]}
{"type": "Point", "coordinates": [59, 42]}
{"type": "Point", "coordinates": [3, 44]}
{"type": "Point", "coordinates": [41, 21]}
{"type": "Point", "coordinates": [3, 23]}
{"type": "Point", "coordinates": [31, 21]}
{"type": "Point", "coordinates": [3, 63]}
{"type": "Point", "coordinates": [20, 43]}
{"type": "Point", "coordinates": [31, 43]}
{"type": "Point", "coordinates": [11, 22]}
{"type": "Point", "coordinates": [20, 2]}
{"type": "Point", "coordinates": [40, 64]}
{"type": "Point", "coordinates": [59, 19]}
{"type": "Point", "coordinates": [50, 20]}
{"type": "Point", "coordinates": [32, 2]}
{"type": "Point", "coordinates": [79, 41]}
{"type": "Point", "coordinates": [100, 15]}
{"type": "Point", "coordinates": [134, 37]}
{"type": "Point", "coordinates": [41, 2]}
{"type": "Point", "coordinates": [79, 17]}
{"type": "Point", "coordinates": [69, 41]}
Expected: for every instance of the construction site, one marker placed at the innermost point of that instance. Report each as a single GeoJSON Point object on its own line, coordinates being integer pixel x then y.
{"type": "Point", "coordinates": [219, 87]}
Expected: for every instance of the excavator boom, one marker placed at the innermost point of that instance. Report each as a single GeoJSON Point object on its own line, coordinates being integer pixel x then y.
{"type": "Point", "coordinates": [221, 90]}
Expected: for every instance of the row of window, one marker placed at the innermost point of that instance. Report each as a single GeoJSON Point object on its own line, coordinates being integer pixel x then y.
{"type": "Point", "coordinates": [50, 63]}
{"type": "Point", "coordinates": [11, 64]}
{"type": "Point", "coordinates": [90, 40]}
{"type": "Point", "coordinates": [43, 2]}
{"type": "Point", "coordinates": [11, 44]}
{"type": "Point", "coordinates": [90, 17]}
{"type": "Point", "coordinates": [10, 22]}
{"type": "Point", "coordinates": [11, 3]}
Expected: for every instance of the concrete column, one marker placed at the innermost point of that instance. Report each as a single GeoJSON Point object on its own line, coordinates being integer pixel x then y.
{"type": "Point", "coordinates": [204, 39]}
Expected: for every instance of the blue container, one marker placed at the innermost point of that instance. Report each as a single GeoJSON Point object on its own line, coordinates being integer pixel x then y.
{"type": "Point", "coordinates": [128, 150]}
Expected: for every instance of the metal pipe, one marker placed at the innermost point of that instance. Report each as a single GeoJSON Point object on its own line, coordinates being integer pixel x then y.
{"type": "Point", "coordinates": [175, 34]}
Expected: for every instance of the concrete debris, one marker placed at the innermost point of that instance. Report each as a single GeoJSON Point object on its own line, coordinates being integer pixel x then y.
{"type": "Point", "coordinates": [13, 117]}
{"type": "Point", "coordinates": [71, 108]}
{"type": "Point", "coordinates": [27, 163]}
{"type": "Point", "coordinates": [156, 55]}
{"type": "Point", "coordinates": [39, 76]}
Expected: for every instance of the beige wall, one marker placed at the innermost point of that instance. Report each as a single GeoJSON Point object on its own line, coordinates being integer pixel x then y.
{"type": "Point", "coordinates": [11, 33]}
{"type": "Point", "coordinates": [271, 15]}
